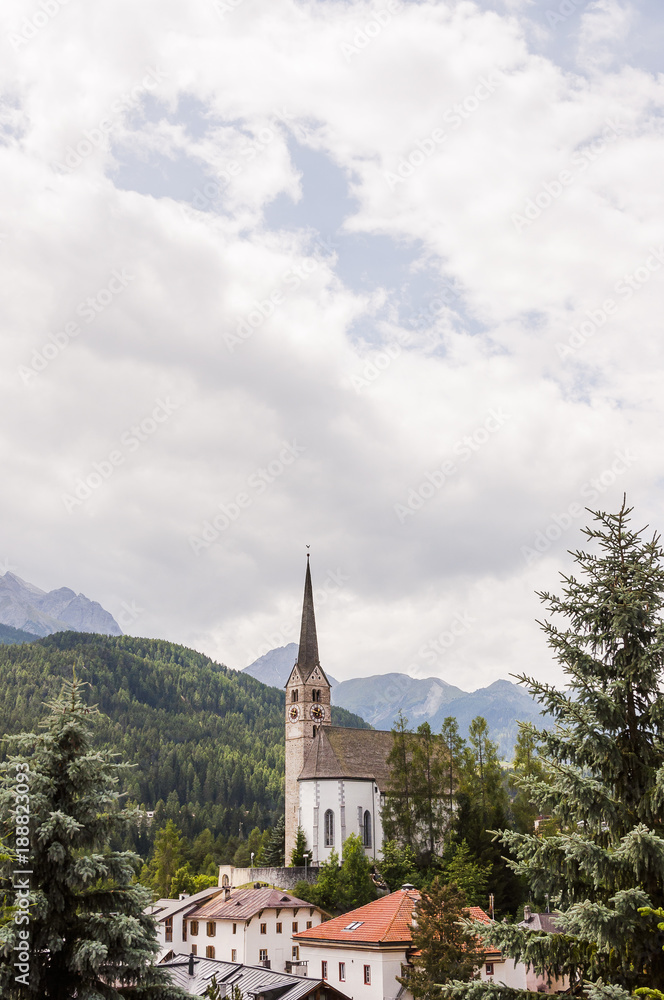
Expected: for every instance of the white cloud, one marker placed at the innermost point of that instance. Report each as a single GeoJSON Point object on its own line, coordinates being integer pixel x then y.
{"type": "Point", "coordinates": [252, 330]}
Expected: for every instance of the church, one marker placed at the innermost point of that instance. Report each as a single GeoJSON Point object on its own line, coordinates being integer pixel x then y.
{"type": "Point", "coordinates": [336, 778]}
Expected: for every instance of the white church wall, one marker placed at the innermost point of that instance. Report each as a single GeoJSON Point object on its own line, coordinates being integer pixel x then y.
{"type": "Point", "coordinates": [348, 800]}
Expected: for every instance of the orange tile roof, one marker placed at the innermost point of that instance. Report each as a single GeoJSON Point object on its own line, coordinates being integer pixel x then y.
{"type": "Point", "coordinates": [386, 920]}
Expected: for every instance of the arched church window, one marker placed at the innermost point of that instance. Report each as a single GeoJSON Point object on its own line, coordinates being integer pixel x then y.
{"type": "Point", "coordinates": [366, 829]}
{"type": "Point", "coordinates": [295, 695]}
{"type": "Point", "coordinates": [329, 828]}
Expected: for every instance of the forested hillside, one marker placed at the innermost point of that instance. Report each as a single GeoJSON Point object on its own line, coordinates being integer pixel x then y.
{"type": "Point", "coordinates": [206, 740]}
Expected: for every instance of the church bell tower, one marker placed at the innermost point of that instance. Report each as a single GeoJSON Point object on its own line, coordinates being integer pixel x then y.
{"type": "Point", "coordinates": [307, 709]}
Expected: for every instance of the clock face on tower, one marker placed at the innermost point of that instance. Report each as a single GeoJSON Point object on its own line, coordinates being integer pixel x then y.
{"type": "Point", "coordinates": [294, 713]}
{"type": "Point", "coordinates": [317, 713]}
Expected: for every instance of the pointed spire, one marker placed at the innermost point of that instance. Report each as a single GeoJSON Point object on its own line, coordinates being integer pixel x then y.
{"type": "Point", "coordinates": [307, 655]}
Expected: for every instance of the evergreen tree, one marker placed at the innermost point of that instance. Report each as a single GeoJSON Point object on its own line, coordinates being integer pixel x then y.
{"type": "Point", "coordinates": [526, 765]}
{"type": "Point", "coordinates": [169, 849]}
{"type": "Point", "coordinates": [398, 814]}
{"type": "Point", "coordinates": [604, 765]}
{"type": "Point", "coordinates": [429, 804]}
{"type": "Point", "coordinates": [87, 931]}
{"type": "Point", "coordinates": [468, 875]}
{"type": "Point", "coordinates": [455, 750]}
{"type": "Point", "coordinates": [299, 850]}
{"type": "Point", "coordinates": [274, 853]}
{"type": "Point", "coordinates": [443, 952]}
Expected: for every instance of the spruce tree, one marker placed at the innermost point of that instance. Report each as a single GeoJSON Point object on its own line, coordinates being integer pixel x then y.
{"type": "Point", "coordinates": [299, 849]}
{"type": "Point", "coordinates": [443, 952]}
{"type": "Point", "coordinates": [429, 804]}
{"type": "Point", "coordinates": [398, 814]}
{"type": "Point", "coordinates": [274, 853]}
{"type": "Point", "coordinates": [604, 773]}
{"type": "Point", "coordinates": [88, 934]}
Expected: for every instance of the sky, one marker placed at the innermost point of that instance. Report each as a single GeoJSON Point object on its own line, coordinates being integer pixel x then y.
{"type": "Point", "coordinates": [379, 278]}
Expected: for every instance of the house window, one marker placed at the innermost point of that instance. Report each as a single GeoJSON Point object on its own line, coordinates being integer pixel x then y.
{"type": "Point", "coordinates": [168, 928]}
{"type": "Point", "coordinates": [262, 955]}
{"type": "Point", "coordinates": [366, 829]}
{"type": "Point", "coordinates": [342, 972]}
{"type": "Point", "coordinates": [209, 951]}
{"type": "Point", "coordinates": [488, 968]}
{"type": "Point", "coordinates": [184, 930]}
{"type": "Point", "coordinates": [323, 970]}
{"type": "Point", "coordinates": [279, 927]}
{"type": "Point", "coordinates": [193, 927]}
{"type": "Point", "coordinates": [296, 953]}
{"type": "Point", "coordinates": [263, 928]}
{"type": "Point", "coordinates": [329, 828]}
{"type": "Point", "coordinates": [295, 695]}
{"type": "Point", "coordinates": [233, 954]}
{"type": "Point", "coordinates": [309, 924]}
{"type": "Point", "coordinates": [367, 975]}
{"type": "Point", "coordinates": [234, 928]}
{"type": "Point", "coordinates": [295, 927]}
{"type": "Point", "coordinates": [211, 928]}
{"type": "Point", "coordinates": [194, 949]}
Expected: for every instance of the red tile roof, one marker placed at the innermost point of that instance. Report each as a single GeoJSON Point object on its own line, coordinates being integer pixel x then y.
{"type": "Point", "coordinates": [387, 920]}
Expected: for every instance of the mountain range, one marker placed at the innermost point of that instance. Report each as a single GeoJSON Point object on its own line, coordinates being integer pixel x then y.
{"type": "Point", "coordinates": [39, 613]}
{"type": "Point", "coordinates": [381, 697]}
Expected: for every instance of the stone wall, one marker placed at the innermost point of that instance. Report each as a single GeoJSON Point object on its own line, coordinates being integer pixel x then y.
{"type": "Point", "coordinates": [283, 878]}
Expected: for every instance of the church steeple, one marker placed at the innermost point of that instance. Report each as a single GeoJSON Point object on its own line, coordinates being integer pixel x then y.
{"type": "Point", "coordinates": [307, 654]}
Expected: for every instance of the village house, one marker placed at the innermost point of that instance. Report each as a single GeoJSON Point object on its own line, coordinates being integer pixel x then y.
{"type": "Point", "coordinates": [250, 926]}
{"type": "Point", "coordinates": [363, 952]}
{"type": "Point", "coordinates": [508, 972]}
{"type": "Point", "coordinates": [170, 915]}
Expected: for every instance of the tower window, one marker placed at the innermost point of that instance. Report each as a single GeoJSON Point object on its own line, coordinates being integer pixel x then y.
{"type": "Point", "coordinates": [295, 695]}
{"type": "Point", "coordinates": [329, 828]}
{"type": "Point", "coordinates": [366, 829]}
{"type": "Point", "coordinates": [315, 695]}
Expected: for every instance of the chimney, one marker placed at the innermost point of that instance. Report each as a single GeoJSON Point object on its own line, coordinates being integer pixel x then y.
{"type": "Point", "coordinates": [227, 893]}
{"type": "Point", "coordinates": [527, 915]}
{"type": "Point", "coordinates": [191, 964]}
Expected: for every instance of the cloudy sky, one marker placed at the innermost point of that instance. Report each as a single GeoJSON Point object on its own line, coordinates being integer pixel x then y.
{"type": "Point", "coordinates": [380, 278]}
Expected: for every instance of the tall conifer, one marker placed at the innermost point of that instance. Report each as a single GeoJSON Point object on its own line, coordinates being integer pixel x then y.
{"type": "Point", "coordinates": [88, 933]}
{"type": "Point", "coordinates": [604, 773]}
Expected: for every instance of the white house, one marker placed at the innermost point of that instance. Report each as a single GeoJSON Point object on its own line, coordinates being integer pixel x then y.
{"type": "Point", "coordinates": [363, 952]}
{"type": "Point", "coordinates": [170, 915]}
{"type": "Point", "coordinates": [250, 926]}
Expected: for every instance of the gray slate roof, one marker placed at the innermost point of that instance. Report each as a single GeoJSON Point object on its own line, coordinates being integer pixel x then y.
{"type": "Point", "coordinates": [307, 654]}
{"type": "Point", "coordinates": [542, 922]}
{"type": "Point", "coordinates": [349, 753]}
{"type": "Point", "coordinates": [252, 980]}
